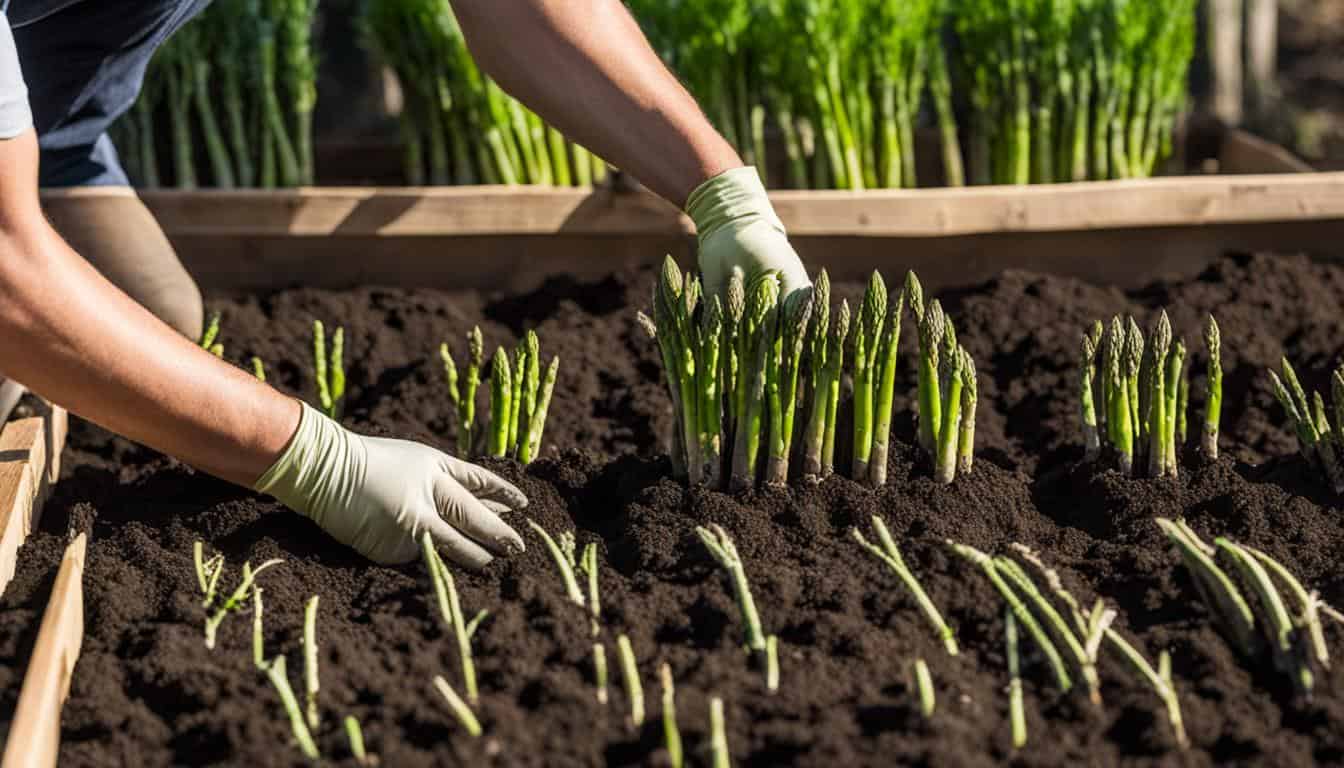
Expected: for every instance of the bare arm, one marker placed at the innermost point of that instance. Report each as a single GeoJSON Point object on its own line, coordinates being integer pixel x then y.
{"type": "Point", "coordinates": [585, 67]}
{"type": "Point", "coordinates": [71, 336]}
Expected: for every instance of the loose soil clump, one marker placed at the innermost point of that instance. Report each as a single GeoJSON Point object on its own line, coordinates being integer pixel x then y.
{"type": "Point", "coordinates": [147, 692]}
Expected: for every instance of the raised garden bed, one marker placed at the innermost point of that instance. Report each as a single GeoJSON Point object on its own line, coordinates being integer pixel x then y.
{"type": "Point", "coordinates": [146, 690]}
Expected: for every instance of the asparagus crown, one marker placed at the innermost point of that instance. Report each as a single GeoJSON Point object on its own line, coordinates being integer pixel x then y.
{"type": "Point", "coordinates": [949, 367]}
{"type": "Point", "coordinates": [691, 293]}
{"type": "Point", "coordinates": [821, 311]}
{"type": "Point", "coordinates": [931, 329]}
{"type": "Point", "coordinates": [764, 295]}
{"type": "Point", "coordinates": [968, 379]}
{"type": "Point", "coordinates": [1318, 407]}
{"type": "Point", "coordinates": [737, 297]}
{"type": "Point", "coordinates": [874, 302]}
{"type": "Point", "coordinates": [914, 295]}
{"type": "Point", "coordinates": [647, 324]}
{"type": "Point", "coordinates": [1088, 349]}
{"type": "Point", "coordinates": [1161, 338]}
{"type": "Point", "coordinates": [1295, 388]}
{"type": "Point", "coordinates": [668, 290]}
{"type": "Point", "coordinates": [1133, 341]}
{"type": "Point", "coordinates": [840, 329]}
{"type": "Point", "coordinates": [1213, 342]}
{"type": "Point", "coordinates": [950, 344]}
{"type": "Point", "coordinates": [713, 318]}
{"type": "Point", "coordinates": [476, 346]}
{"type": "Point", "coordinates": [1094, 334]}
{"type": "Point", "coordinates": [1286, 400]}
{"type": "Point", "coordinates": [796, 312]}
{"type": "Point", "coordinates": [449, 366]}
{"type": "Point", "coordinates": [500, 367]}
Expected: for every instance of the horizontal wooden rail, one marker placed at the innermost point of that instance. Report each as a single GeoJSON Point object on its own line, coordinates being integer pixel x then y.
{"type": "Point", "coordinates": [35, 733]}
{"type": "Point", "coordinates": [466, 211]}
{"type": "Point", "coordinates": [30, 462]}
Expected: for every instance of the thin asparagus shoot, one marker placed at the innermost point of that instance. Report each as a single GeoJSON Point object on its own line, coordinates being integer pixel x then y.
{"type": "Point", "coordinates": [1159, 679]}
{"type": "Point", "coordinates": [924, 684]}
{"type": "Point", "coordinates": [718, 736]}
{"type": "Point", "coordinates": [1219, 593]}
{"type": "Point", "coordinates": [1275, 623]}
{"type": "Point", "coordinates": [563, 555]}
{"type": "Point", "coordinates": [1088, 368]}
{"type": "Point", "coordinates": [600, 674]}
{"type": "Point", "coordinates": [721, 547]}
{"type": "Point", "coordinates": [634, 689]}
{"type": "Point", "coordinates": [1080, 651]}
{"type": "Point", "coordinates": [258, 637]}
{"type": "Point", "coordinates": [310, 676]}
{"type": "Point", "coordinates": [1309, 603]}
{"type": "Point", "coordinates": [458, 707]}
{"type": "Point", "coordinates": [450, 608]}
{"type": "Point", "coordinates": [356, 737]}
{"type": "Point", "coordinates": [1016, 712]}
{"type": "Point", "coordinates": [888, 553]}
{"type": "Point", "coordinates": [671, 733]}
{"type": "Point", "coordinates": [588, 564]}
{"type": "Point", "coordinates": [258, 369]}
{"type": "Point", "coordinates": [235, 600]}
{"type": "Point", "coordinates": [1020, 610]}
{"type": "Point", "coordinates": [1213, 401]}
{"type": "Point", "coordinates": [275, 672]}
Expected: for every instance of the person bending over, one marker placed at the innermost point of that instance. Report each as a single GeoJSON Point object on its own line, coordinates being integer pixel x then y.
{"type": "Point", "coordinates": [103, 320]}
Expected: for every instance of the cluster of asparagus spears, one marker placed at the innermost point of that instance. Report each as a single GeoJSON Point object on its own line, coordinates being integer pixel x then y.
{"type": "Point", "coordinates": [520, 397]}
{"type": "Point", "coordinates": [737, 367]}
{"type": "Point", "coordinates": [1243, 595]}
{"type": "Point", "coordinates": [1319, 442]}
{"type": "Point", "coordinates": [1143, 388]}
{"type": "Point", "coordinates": [458, 125]}
{"type": "Point", "coordinates": [243, 78]}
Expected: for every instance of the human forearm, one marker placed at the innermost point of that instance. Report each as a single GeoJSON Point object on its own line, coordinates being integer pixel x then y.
{"type": "Point", "coordinates": [69, 335]}
{"type": "Point", "coordinates": [585, 67]}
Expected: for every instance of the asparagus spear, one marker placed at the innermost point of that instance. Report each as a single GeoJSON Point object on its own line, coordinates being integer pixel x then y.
{"type": "Point", "coordinates": [757, 343]}
{"type": "Point", "coordinates": [931, 331]}
{"type": "Point", "coordinates": [950, 372]}
{"type": "Point", "coordinates": [966, 440]}
{"type": "Point", "coordinates": [885, 388]}
{"type": "Point", "coordinates": [835, 361]}
{"type": "Point", "coordinates": [501, 394]}
{"type": "Point", "coordinates": [818, 342]}
{"type": "Point", "coordinates": [1213, 403]}
{"type": "Point", "coordinates": [791, 335]}
{"type": "Point", "coordinates": [721, 547]}
{"type": "Point", "coordinates": [865, 348]}
{"type": "Point", "coordinates": [1088, 368]}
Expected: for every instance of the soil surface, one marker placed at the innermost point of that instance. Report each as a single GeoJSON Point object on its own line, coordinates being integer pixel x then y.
{"type": "Point", "coordinates": [147, 692]}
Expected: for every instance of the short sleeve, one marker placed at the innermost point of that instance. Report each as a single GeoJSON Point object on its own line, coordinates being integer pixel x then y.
{"type": "Point", "coordinates": [15, 115]}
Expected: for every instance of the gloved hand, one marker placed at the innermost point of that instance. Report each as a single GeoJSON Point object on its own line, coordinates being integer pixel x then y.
{"type": "Point", "coordinates": [379, 495]}
{"type": "Point", "coordinates": [738, 229]}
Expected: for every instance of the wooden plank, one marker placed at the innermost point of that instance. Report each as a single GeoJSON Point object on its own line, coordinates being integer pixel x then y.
{"type": "Point", "coordinates": [30, 451]}
{"type": "Point", "coordinates": [35, 733]}
{"type": "Point", "coordinates": [466, 211]}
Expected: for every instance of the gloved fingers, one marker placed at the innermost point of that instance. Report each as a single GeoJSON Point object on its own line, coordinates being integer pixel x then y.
{"type": "Point", "coordinates": [484, 484]}
{"type": "Point", "coordinates": [495, 506]}
{"type": "Point", "coordinates": [456, 547]}
{"type": "Point", "coordinates": [468, 514]}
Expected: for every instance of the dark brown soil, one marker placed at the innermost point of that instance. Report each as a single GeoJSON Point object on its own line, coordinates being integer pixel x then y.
{"type": "Point", "coordinates": [146, 692]}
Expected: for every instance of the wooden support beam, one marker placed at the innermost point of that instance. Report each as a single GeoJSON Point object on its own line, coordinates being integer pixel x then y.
{"type": "Point", "coordinates": [35, 733]}
{"type": "Point", "coordinates": [30, 450]}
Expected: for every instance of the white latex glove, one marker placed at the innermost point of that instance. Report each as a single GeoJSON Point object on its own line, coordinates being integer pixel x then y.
{"type": "Point", "coordinates": [737, 228]}
{"type": "Point", "coordinates": [379, 495]}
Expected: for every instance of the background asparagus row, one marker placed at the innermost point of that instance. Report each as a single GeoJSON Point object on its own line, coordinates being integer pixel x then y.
{"type": "Point", "coordinates": [255, 129]}
{"type": "Point", "coordinates": [815, 93]}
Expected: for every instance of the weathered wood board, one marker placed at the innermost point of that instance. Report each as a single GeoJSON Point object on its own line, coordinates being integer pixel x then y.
{"type": "Point", "coordinates": [30, 452]}
{"type": "Point", "coordinates": [35, 733]}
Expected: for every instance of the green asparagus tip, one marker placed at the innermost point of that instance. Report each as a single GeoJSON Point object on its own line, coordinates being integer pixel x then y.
{"type": "Point", "coordinates": [914, 295]}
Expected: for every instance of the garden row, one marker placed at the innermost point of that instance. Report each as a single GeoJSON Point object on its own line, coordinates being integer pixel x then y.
{"type": "Point", "coordinates": [853, 645]}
